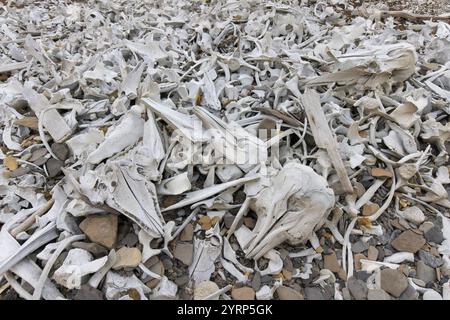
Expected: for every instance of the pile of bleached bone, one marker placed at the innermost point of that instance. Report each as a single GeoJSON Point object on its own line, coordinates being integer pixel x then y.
{"type": "Point", "coordinates": [217, 149]}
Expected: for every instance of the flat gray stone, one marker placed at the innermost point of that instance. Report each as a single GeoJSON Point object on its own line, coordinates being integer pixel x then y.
{"type": "Point", "coordinates": [430, 260]}
{"type": "Point", "coordinates": [357, 288]}
{"type": "Point", "coordinates": [54, 167]}
{"type": "Point", "coordinates": [425, 273]}
{"type": "Point", "coordinates": [360, 246]}
{"type": "Point", "coordinates": [393, 282]}
{"type": "Point", "coordinates": [256, 281]}
{"type": "Point", "coordinates": [60, 150]}
{"type": "Point", "coordinates": [434, 235]}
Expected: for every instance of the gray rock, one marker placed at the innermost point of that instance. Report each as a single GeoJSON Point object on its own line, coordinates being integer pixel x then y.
{"type": "Point", "coordinates": [314, 293]}
{"type": "Point", "coordinates": [87, 292]}
{"type": "Point", "coordinates": [266, 279]}
{"type": "Point", "coordinates": [256, 281]}
{"type": "Point", "coordinates": [360, 246]}
{"type": "Point", "coordinates": [378, 294]}
{"type": "Point", "coordinates": [53, 167]}
{"type": "Point", "coordinates": [409, 294]}
{"type": "Point", "coordinates": [129, 240]}
{"type": "Point", "coordinates": [357, 288]}
{"type": "Point", "coordinates": [60, 150]}
{"type": "Point", "coordinates": [425, 273]}
{"type": "Point", "coordinates": [362, 275]}
{"type": "Point", "coordinates": [38, 155]}
{"type": "Point", "coordinates": [393, 282]}
{"type": "Point", "coordinates": [434, 235]}
{"type": "Point", "coordinates": [430, 260]}
{"type": "Point", "coordinates": [228, 219]}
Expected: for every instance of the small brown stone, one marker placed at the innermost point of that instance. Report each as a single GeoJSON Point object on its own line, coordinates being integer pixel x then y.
{"type": "Point", "coordinates": [101, 229]}
{"type": "Point", "coordinates": [187, 233]}
{"type": "Point", "coordinates": [244, 293]}
{"type": "Point", "coordinates": [379, 172]}
{"type": "Point", "coordinates": [372, 253]}
{"type": "Point", "coordinates": [331, 262]}
{"type": "Point", "coordinates": [409, 241]}
{"type": "Point", "coordinates": [358, 258]}
{"type": "Point", "coordinates": [184, 252]}
{"type": "Point", "coordinates": [127, 258]}
{"type": "Point", "coordinates": [369, 209]}
{"type": "Point", "coordinates": [287, 275]}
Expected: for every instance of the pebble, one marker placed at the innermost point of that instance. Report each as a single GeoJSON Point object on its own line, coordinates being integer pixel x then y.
{"type": "Point", "coordinates": [393, 282]}
{"type": "Point", "coordinates": [434, 235]}
{"type": "Point", "coordinates": [127, 258]}
{"type": "Point", "coordinates": [378, 294]}
{"type": "Point", "coordinates": [37, 155]}
{"type": "Point", "coordinates": [360, 246]}
{"type": "Point", "coordinates": [60, 150]}
{"type": "Point", "coordinates": [431, 295]}
{"type": "Point", "coordinates": [408, 241]}
{"type": "Point", "coordinates": [429, 259]}
{"type": "Point", "coordinates": [425, 273]}
{"type": "Point", "coordinates": [53, 167]}
{"type": "Point", "coordinates": [228, 219]}
{"type": "Point", "coordinates": [101, 229]}
{"type": "Point", "coordinates": [243, 293]}
{"type": "Point", "coordinates": [427, 225]}
{"type": "Point", "coordinates": [357, 288]}
{"type": "Point", "coordinates": [372, 253]}
{"type": "Point", "coordinates": [413, 214]}
{"type": "Point", "coordinates": [184, 252]}
{"type": "Point", "coordinates": [187, 233]}
{"type": "Point", "coordinates": [86, 292]}
{"type": "Point", "coordinates": [204, 289]}
{"type": "Point", "coordinates": [20, 172]}
{"type": "Point", "coordinates": [314, 293]}
{"type": "Point", "coordinates": [286, 293]}
{"type": "Point", "coordinates": [256, 281]}
{"type": "Point", "coordinates": [249, 222]}
{"type": "Point", "coordinates": [379, 172]}
{"type": "Point", "coordinates": [130, 240]}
